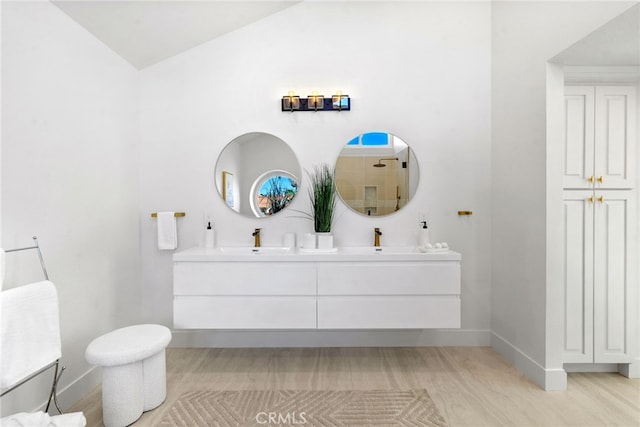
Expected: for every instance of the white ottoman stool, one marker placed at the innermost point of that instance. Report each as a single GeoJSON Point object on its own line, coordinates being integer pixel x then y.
{"type": "Point", "coordinates": [133, 371]}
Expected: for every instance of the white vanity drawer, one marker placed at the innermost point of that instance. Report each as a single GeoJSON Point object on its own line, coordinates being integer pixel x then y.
{"type": "Point", "coordinates": [384, 278]}
{"type": "Point", "coordinates": [388, 312]}
{"type": "Point", "coordinates": [244, 278]}
{"type": "Point", "coordinates": [246, 312]}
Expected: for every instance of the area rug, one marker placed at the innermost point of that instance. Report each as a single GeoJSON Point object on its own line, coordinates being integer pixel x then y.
{"type": "Point", "coordinates": [303, 408]}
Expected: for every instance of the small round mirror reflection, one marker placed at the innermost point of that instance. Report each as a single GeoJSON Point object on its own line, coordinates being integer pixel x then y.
{"type": "Point", "coordinates": [376, 174]}
{"type": "Point", "coordinates": [257, 175]}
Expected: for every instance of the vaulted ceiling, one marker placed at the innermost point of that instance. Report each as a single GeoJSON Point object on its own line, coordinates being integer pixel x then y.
{"type": "Point", "coordinates": [615, 43]}
{"type": "Point", "coordinates": [146, 32]}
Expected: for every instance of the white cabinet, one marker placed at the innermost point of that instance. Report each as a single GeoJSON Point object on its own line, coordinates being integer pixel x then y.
{"type": "Point", "coordinates": [578, 276]}
{"type": "Point", "coordinates": [374, 291]}
{"type": "Point", "coordinates": [615, 282]}
{"type": "Point", "coordinates": [578, 163]}
{"type": "Point", "coordinates": [244, 295]}
{"type": "Point", "coordinates": [600, 290]}
{"type": "Point", "coordinates": [599, 228]}
{"type": "Point", "coordinates": [600, 137]}
{"type": "Point", "coordinates": [388, 295]}
{"type": "Point", "coordinates": [599, 225]}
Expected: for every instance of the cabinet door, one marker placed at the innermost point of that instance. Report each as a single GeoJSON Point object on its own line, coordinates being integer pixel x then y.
{"type": "Point", "coordinates": [244, 278]}
{"type": "Point", "coordinates": [389, 278]}
{"type": "Point", "coordinates": [579, 137]}
{"type": "Point", "coordinates": [614, 277]}
{"type": "Point", "coordinates": [244, 312]}
{"type": "Point", "coordinates": [578, 276]}
{"type": "Point", "coordinates": [389, 312]}
{"type": "Point", "coordinates": [389, 295]}
{"type": "Point", "coordinates": [615, 127]}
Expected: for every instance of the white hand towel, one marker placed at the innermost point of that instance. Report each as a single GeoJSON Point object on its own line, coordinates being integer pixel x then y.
{"type": "Point", "coordinates": [2, 267]}
{"type": "Point", "coordinates": [29, 331]}
{"type": "Point", "coordinates": [41, 419]}
{"type": "Point", "coordinates": [167, 231]}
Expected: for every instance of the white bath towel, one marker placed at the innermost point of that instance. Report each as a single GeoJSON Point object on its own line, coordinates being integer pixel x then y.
{"type": "Point", "coordinates": [41, 419]}
{"type": "Point", "coordinates": [2, 267]}
{"type": "Point", "coordinates": [29, 331]}
{"type": "Point", "coordinates": [167, 231]}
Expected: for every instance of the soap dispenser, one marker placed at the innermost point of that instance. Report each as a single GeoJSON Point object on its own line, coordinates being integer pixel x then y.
{"type": "Point", "coordinates": [424, 235]}
{"type": "Point", "coordinates": [208, 236]}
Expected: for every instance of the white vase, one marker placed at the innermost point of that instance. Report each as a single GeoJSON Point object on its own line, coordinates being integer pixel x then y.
{"type": "Point", "coordinates": [309, 241]}
{"type": "Point", "coordinates": [324, 240]}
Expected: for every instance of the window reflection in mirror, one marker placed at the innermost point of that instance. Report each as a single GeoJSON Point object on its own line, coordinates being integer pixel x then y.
{"type": "Point", "coordinates": [376, 174]}
{"type": "Point", "coordinates": [265, 175]}
{"type": "Point", "coordinates": [273, 192]}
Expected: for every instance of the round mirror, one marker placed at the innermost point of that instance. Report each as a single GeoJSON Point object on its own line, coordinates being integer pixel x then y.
{"type": "Point", "coordinates": [257, 175]}
{"type": "Point", "coordinates": [376, 173]}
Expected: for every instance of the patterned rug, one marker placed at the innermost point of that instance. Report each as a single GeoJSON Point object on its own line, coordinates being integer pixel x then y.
{"type": "Point", "coordinates": [303, 408]}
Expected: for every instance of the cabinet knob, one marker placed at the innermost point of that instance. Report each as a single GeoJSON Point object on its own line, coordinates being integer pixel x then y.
{"type": "Point", "coordinates": [590, 199]}
{"type": "Point", "coordinates": [590, 179]}
{"type": "Point", "coordinates": [600, 179]}
{"type": "Point", "coordinates": [601, 199]}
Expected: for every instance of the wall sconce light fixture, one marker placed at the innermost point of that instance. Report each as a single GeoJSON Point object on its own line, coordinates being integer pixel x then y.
{"type": "Point", "coordinates": [290, 102]}
{"type": "Point", "coordinates": [315, 102]}
{"type": "Point", "coordinates": [340, 102]}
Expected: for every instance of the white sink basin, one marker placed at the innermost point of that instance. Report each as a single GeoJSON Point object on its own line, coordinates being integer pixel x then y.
{"type": "Point", "coordinates": [281, 254]}
{"type": "Point", "coordinates": [379, 249]}
{"type": "Point", "coordinates": [239, 250]}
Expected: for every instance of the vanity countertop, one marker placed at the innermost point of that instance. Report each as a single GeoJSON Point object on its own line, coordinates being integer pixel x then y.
{"type": "Point", "coordinates": [271, 254]}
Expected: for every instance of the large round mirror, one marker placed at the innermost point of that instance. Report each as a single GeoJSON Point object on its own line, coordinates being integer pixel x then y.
{"type": "Point", "coordinates": [376, 173]}
{"type": "Point", "coordinates": [257, 175]}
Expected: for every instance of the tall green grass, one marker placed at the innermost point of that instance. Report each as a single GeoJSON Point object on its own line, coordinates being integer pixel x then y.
{"type": "Point", "coordinates": [322, 193]}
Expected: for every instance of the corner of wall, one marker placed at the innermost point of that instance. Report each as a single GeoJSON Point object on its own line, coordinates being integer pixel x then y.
{"type": "Point", "coordinates": [548, 379]}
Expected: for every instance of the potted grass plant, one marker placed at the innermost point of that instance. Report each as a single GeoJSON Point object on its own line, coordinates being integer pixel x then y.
{"type": "Point", "coordinates": [322, 193]}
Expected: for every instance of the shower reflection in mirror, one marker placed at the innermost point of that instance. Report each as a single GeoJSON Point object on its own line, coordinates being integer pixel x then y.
{"type": "Point", "coordinates": [376, 173]}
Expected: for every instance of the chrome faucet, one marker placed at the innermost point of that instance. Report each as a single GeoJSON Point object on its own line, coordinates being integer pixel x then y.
{"type": "Point", "coordinates": [256, 240]}
{"type": "Point", "coordinates": [376, 236]}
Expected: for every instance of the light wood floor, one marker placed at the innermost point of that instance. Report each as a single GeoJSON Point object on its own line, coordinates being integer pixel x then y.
{"type": "Point", "coordinates": [471, 386]}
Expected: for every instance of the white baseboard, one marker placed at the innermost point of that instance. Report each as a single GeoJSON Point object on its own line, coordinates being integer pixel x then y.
{"type": "Point", "coordinates": [75, 391]}
{"type": "Point", "coordinates": [324, 338]}
{"type": "Point", "coordinates": [590, 367]}
{"type": "Point", "coordinates": [630, 370]}
{"type": "Point", "coordinates": [548, 379]}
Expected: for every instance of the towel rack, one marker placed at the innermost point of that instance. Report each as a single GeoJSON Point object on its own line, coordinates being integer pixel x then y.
{"type": "Point", "coordinates": [176, 214]}
{"type": "Point", "coordinates": [53, 395]}
{"type": "Point", "coordinates": [37, 248]}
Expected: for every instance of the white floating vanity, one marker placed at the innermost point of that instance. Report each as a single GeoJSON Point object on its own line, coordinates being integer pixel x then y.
{"type": "Point", "coordinates": [353, 288]}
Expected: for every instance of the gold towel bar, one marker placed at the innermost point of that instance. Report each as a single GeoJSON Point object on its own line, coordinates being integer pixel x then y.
{"type": "Point", "coordinates": [177, 214]}
{"type": "Point", "coordinates": [465, 213]}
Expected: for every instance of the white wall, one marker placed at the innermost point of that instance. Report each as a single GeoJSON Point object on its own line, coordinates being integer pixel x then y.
{"type": "Point", "coordinates": [1, 121]}
{"type": "Point", "coordinates": [525, 35]}
{"type": "Point", "coordinates": [69, 176]}
{"type": "Point", "coordinates": [418, 70]}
